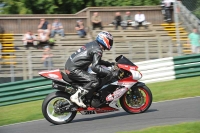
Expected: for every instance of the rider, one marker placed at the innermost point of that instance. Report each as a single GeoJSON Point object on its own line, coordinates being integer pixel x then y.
{"type": "Point", "coordinates": [78, 63]}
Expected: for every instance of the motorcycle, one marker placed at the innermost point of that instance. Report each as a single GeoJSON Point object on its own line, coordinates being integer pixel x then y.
{"type": "Point", "coordinates": [134, 96]}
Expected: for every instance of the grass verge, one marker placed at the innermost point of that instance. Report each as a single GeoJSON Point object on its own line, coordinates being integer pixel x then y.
{"type": "Point", "coordinates": [180, 88]}
{"type": "Point", "coordinates": [189, 127]}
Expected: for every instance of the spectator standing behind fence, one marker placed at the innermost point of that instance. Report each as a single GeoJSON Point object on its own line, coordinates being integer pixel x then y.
{"type": "Point", "coordinates": [29, 40]}
{"type": "Point", "coordinates": [47, 58]}
{"type": "Point", "coordinates": [57, 27]}
{"type": "Point", "coordinates": [140, 20]}
{"type": "Point", "coordinates": [80, 28]}
{"type": "Point", "coordinates": [44, 26]}
{"type": "Point", "coordinates": [127, 20]}
{"type": "Point", "coordinates": [96, 21]}
{"type": "Point", "coordinates": [117, 20]}
{"type": "Point", "coordinates": [193, 40]}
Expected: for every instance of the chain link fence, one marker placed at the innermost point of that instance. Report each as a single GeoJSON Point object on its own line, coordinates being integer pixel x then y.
{"type": "Point", "coordinates": [193, 6]}
{"type": "Point", "coordinates": [188, 12]}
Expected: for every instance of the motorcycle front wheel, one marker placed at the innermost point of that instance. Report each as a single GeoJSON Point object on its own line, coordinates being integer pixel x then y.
{"type": "Point", "coordinates": [52, 111]}
{"type": "Point", "coordinates": [137, 100]}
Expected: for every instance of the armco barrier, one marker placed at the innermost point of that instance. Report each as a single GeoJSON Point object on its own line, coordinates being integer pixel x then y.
{"type": "Point", "coordinates": [153, 71]}
{"type": "Point", "coordinates": [170, 68]}
{"type": "Point", "coordinates": [24, 91]}
{"type": "Point", "coordinates": [187, 66]}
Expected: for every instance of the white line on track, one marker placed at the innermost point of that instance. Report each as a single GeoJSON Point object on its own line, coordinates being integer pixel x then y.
{"type": "Point", "coordinates": [153, 102]}
{"type": "Point", "coordinates": [177, 99]}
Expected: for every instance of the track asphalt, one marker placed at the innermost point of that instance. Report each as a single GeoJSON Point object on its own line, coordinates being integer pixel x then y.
{"type": "Point", "coordinates": [160, 113]}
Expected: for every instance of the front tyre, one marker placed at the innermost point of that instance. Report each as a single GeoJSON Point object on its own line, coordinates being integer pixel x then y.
{"type": "Point", "coordinates": [137, 100]}
{"type": "Point", "coordinates": [52, 110]}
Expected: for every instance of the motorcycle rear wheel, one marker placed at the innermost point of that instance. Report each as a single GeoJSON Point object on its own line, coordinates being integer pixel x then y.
{"type": "Point", "coordinates": [49, 110]}
{"type": "Point", "coordinates": [137, 103]}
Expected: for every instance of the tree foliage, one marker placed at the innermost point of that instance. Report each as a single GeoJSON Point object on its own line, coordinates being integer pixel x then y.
{"type": "Point", "coordinates": [64, 6]}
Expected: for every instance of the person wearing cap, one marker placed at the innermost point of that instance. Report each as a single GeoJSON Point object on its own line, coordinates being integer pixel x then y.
{"type": "Point", "coordinates": [57, 27]}
{"type": "Point", "coordinates": [80, 28]}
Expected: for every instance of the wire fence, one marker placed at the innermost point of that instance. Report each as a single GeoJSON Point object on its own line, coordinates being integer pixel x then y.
{"type": "Point", "coordinates": [193, 6]}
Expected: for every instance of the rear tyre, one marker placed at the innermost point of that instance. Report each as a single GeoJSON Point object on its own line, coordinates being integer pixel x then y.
{"type": "Point", "coordinates": [137, 100]}
{"type": "Point", "coordinates": [51, 110]}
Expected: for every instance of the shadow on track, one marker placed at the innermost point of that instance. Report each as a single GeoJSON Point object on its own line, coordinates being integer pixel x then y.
{"type": "Point", "coordinates": [117, 114]}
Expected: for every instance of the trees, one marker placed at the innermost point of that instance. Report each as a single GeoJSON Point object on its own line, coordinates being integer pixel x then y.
{"type": "Point", "coordinates": [64, 6]}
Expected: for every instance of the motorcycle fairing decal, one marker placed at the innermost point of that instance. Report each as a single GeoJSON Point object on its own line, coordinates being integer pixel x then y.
{"type": "Point", "coordinates": [127, 80]}
{"type": "Point", "coordinates": [127, 67]}
{"type": "Point", "coordinates": [116, 94]}
{"type": "Point", "coordinates": [90, 110]}
{"type": "Point", "coordinates": [52, 74]}
{"type": "Point", "coordinates": [125, 84]}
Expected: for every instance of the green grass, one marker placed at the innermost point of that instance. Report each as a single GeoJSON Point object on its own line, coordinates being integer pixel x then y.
{"type": "Point", "coordinates": [180, 88]}
{"type": "Point", "coordinates": [188, 87]}
{"type": "Point", "coordinates": [189, 127]}
{"type": "Point", "coordinates": [20, 112]}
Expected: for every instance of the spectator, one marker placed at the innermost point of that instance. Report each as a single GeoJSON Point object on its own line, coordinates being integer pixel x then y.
{"type": "Point", "coordinates": [167, 5]}
{"type": "Point", "coordinates": [57, 27]}
{"type": "Point", "coordinates": [140, 20]}
{"type": "Point", "coordinates": [96, 21]}
{"type": "Point", "coordinates": [117, 20]}
{"type": "Point", "coordinates": [80, 28]}
{"type": "Point", "coordinates": [0, 51]}
{"type": "Point", "coordinates": [193, 40]}
{"type": "Point", "coordinates": [44, 26]}
{"type": "Point", "coordinates": [29, 40]}
{"type": "Point", "coordinates": [127, 20]}
{"type": "Point", "coordinates": [43, 38]}
{"type": "Point", "coordinates": [47, 58]}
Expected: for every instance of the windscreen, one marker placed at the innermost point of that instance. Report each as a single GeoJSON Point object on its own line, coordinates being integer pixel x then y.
{"type": "Point", "coordinates": [123, 60]}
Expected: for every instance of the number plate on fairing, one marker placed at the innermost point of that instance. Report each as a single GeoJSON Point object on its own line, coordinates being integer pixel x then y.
{"type": "Point", "coordinates": [88, 112]}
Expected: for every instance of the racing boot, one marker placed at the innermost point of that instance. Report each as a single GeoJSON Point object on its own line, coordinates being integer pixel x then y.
{"type": "Point", "coordinates": [76, 97]}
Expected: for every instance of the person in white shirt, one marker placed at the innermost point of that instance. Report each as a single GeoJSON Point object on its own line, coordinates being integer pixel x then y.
{"type": "Point", "coordinates": [43, 39]}
{"type": "Point", "coordinates": [139, 20]}
{"type": "Point", "coordinates": [168, 7]}
{"type": "Point", "coordinates": [43, 36]}
{"type": "Point", "coordinates": [29, 40]}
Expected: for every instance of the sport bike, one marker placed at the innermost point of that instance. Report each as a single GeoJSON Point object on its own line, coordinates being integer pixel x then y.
{"type": "Point", "coordinates": [125, 90]}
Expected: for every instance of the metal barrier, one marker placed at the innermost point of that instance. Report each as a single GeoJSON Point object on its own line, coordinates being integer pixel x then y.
{"type": "Point", "coordinates": [170, 68]}
{"type": "Point", "coordinates": [24, 91]}
{"type": "Point", "coordinates": [153, 71]}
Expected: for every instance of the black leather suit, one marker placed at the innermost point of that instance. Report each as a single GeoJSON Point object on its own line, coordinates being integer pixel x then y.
{"type": "Point", "coordinates": [78, 63]}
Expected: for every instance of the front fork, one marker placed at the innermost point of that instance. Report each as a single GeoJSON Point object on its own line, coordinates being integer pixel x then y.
{"type": "Point", "coordinates": [134, 96]}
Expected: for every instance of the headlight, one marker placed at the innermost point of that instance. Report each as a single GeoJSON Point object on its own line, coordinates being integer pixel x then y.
{"type": "Point", "coordinates": [136, 74]}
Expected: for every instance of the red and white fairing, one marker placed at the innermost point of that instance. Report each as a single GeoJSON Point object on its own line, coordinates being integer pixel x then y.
{"type": "Point", "coordinates": [127, 83]}
{"type": "Point", "coordinates": [52, 74]}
